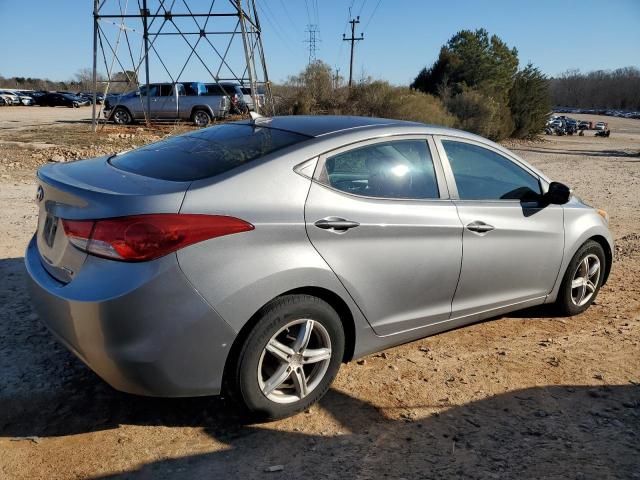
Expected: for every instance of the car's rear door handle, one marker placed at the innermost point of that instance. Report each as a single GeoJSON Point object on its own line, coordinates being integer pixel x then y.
{"type": "Point", "coordinates": [336, 223]}
{"type": "Point", "coordinates": [480, 227]}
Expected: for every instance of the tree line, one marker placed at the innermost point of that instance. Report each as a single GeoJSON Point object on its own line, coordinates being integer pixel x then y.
{"type": "Point", "coordinates": [601, 89]}
{"type": "Point", "coordinates": [82, 82]}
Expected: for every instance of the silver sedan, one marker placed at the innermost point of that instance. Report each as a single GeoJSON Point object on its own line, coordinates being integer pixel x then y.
{"type": "Point", "coordinates": [255, 257]}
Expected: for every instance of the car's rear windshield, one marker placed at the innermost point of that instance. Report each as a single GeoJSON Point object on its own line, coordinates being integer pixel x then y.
{"type": "Point", "coordinates": [205, 153]}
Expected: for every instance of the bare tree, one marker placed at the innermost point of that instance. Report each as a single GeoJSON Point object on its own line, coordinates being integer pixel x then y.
{"type": "Point", "coordinates": [606, 89]}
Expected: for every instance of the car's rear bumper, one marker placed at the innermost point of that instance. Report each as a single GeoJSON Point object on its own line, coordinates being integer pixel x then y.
{"type": "Point", "coordinates": [142, 327]}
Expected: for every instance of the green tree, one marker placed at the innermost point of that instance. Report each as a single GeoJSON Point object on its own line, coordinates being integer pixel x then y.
{"type": "Point", "coordinates": [476, 76]}
{"type": "Point", "coordinates": [471, 59]}
{"type": "Point", "coordinates": [529, 102]}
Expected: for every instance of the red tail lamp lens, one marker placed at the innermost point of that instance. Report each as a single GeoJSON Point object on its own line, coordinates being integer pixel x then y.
{"type": "Point", "coordinates": [145, 237]}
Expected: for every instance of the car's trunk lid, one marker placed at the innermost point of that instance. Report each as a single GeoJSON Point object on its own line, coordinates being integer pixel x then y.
{"type": "Point", "coordinates": [89, 190]}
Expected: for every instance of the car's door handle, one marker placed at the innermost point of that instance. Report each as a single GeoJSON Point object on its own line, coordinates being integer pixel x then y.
{"type": "Point", "coordinates": [336, 223]}
{"type": "Point", "coordinates": [480, 227]}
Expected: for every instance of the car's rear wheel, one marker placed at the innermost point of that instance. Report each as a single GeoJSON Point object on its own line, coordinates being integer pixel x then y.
{"type": "Point", "coordinates": [121, 116]}
{"type": "Point", "coordinates": [201, 118]}
{"type": "Point", "coordinates": [582, 279]}
{"type": "Point", "coordinates": [289, 358]}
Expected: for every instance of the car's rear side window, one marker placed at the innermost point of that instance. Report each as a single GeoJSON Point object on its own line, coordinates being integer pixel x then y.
{"type": "Point", "coordinates": [205, 153]}
{"type": "Point", "coordinates": [214, 90]}
{"type": "Point", "coordinates": [396, 169]}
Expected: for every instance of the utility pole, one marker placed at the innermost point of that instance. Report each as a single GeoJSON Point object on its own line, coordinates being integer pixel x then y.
{"type": "Point", "coordinates": [94, 78]}
{"type": "Point", "coordinates": [336, 78]}
{"type": "Point", "coordinates": [312, 30]}
{"type": "Point", "coordinates": [352, 39]}
{"type": "Point", "coordinates": [145, 35]}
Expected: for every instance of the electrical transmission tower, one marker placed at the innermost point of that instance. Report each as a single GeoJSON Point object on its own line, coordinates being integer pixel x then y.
{"type": "Point", "coordinates": [165, 41]}
{"type": "Point", "coordinates": [353, 39]}
{"type": "Point", "coordinates": [313, 32]}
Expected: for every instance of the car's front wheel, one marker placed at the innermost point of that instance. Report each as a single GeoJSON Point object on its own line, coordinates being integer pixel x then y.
{"type": "Point", "coordinates": [290, 357]}
{"type": "Point", "coordinates": [121, 116]}
{"type": "Point", "coordinates": [582, 279]}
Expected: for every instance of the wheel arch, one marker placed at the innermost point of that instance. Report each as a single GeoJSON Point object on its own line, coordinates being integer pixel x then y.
{"type": "Point", "coordinates": [206, 108]}
{"type": "Point", "coordinates": [608, 254]}
{"type": "Point", "coordinates": [333, 299]}
{"type": "Point", "coordinates": [123, 107]}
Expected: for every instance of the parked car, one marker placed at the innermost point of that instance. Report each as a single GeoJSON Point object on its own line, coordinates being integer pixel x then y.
{"type": "Point", "coordinates": [601, 126]}
{"type": "Point", "coordinates": [3, 102]}
{"type": "Point", "coordinates": [184, 101]}
{"type": "Point", "coordinates": [233, 92]}
{"type": "Point", "coordinates": [89, 97]}
{"type": "Point", "coordinates": [10, 97]}
{"type": "Point", "coordinates": [248, 99]}
{"type": "Point", "coordinates": [55, 99]}
{"type": "Point", "coordinates": [7, 100]}
{"type": "Point", "coordinates": [571, 126]}
{"type": "Point", "coordinates": [257, 256]}
{"type": "Point", "coordinates": [584, 125]}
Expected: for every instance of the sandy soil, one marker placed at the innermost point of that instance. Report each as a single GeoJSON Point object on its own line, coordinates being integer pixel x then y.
{"type": "Point", "coordinates": [528, 395]}
{"type": "Point", "coordinates": [20, 118]}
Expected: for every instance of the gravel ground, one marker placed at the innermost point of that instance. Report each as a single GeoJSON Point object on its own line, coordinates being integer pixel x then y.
{"type": "Point", "coordinates": [528, 395]}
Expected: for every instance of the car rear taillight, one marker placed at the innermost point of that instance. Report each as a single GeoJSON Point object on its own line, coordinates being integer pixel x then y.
{"type": "Point", "coordinates": [145, 237]}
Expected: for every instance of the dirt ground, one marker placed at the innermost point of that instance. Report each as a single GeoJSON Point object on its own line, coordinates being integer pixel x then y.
{"type": "Point", "coordinates": [527, 395]}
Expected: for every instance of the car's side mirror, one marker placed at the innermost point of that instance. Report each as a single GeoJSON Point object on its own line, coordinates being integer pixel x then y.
{"type": "Point", "coordinates": [557, 194]}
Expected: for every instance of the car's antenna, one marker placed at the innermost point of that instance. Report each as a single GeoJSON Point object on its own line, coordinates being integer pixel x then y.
{"type": "Point", "coordinates": [257, 118]}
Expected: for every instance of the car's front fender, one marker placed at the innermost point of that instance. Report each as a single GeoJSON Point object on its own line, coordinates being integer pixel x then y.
{"type": "Point", "coordinates": [581, 223]}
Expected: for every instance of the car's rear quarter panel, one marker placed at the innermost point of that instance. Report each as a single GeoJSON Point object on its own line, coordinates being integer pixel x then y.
{"type": "Point", "coordinates": [238, 274]}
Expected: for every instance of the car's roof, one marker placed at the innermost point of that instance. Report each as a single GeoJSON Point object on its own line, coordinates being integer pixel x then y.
{"type": "Point", "coordinates": [335, 125]}
{"type": "Point", "coordinates": [317, 125]}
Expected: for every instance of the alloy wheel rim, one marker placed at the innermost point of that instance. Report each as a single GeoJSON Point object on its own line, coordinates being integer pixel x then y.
{"type": "Point", "coordinates": [585, 280]}
{"type": "Point", "coordinates": [294, 361]}
{"type": "Point", "coordinates": [202, 119]}
{"type": "Point", "coordinates": [121, 117]}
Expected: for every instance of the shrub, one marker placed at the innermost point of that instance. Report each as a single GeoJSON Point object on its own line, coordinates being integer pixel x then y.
{"type": "Point", "coordinates": [315, 92]}
{"type": "Point", "coordinates": [481, 114]}
{"type": "Point", "coordinates": [380, 99]}
{"type": "Point", "coordinates": [529, 101]}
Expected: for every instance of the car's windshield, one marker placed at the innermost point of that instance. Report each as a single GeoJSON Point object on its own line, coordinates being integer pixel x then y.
{"type": "Point", "coordinates": [205, 153]}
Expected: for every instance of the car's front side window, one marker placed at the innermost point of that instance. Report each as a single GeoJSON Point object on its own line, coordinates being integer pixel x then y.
{"type": "Point", "coordinates": [482, 174]}
{"type": "Point", "coordinates": [398, 169]}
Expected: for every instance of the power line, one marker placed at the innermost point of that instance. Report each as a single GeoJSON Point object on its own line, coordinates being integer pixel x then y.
{"type": "Point", "coordinates": [362, 7]}
{"type": "Point", "coordinates": [286, 11]}
{"type": "Point", "coordinates": [277, 28]}
{"type": "Point", "coordinates": [306, 5]}
{"type": "Point", "coordinates": [372, 14]}
{"type": "Point", "coordinates": [344, 32]}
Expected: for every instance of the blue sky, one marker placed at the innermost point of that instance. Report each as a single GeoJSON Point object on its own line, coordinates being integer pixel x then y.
{"type": "Point", "coordinates": [401, 36]}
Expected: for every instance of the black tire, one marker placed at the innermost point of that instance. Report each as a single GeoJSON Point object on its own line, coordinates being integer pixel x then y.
{"type": "Point", "coordinates": [121, 116]}
{"type": "Point", "coordinates": [201, 118]}
{"type": "Point", "coordinates": [566, 301]}
{"type": "Point", "coordinates": [243, 382]}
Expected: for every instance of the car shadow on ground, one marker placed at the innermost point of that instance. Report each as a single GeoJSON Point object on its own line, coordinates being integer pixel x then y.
{"type": "Point", "coordinates": [542, 432]}
{"type": "Point", "coordinates": [553, 431]}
